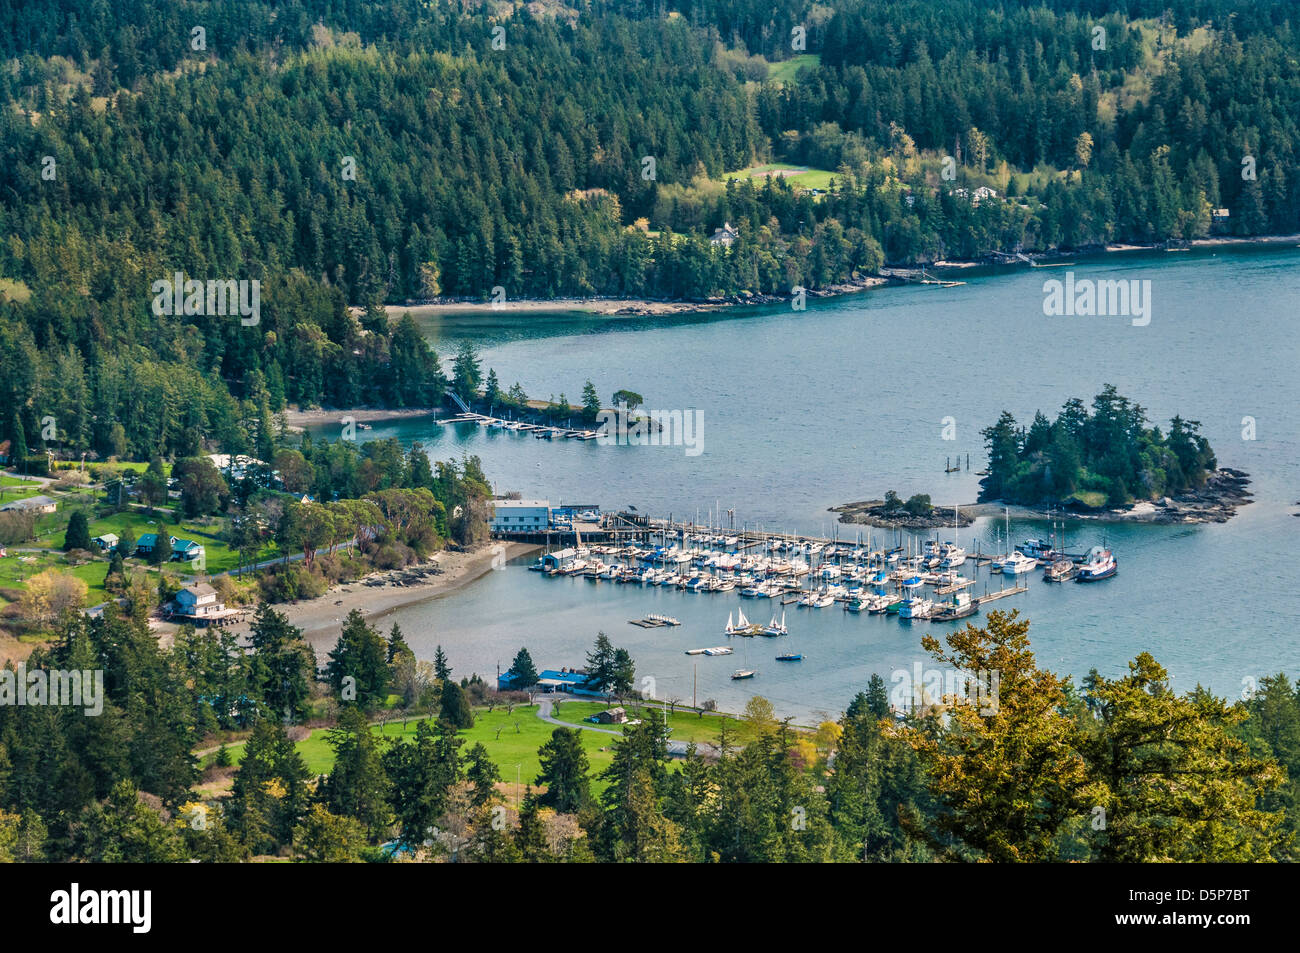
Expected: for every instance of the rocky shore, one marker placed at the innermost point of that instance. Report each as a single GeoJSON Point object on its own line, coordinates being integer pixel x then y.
{"type": "Point", "coordinates": [873, 513]}
{"type": "Point", "coordinates": [1217, 501]}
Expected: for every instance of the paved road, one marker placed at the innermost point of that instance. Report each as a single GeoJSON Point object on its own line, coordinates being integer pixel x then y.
{"type": "Point", "coordinates": [544, 713]}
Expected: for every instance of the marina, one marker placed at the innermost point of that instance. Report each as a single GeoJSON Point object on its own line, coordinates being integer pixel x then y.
{"type": "Point", "coordinates": [776, 455]}
{"type": "Point", "coordinates": [918, 581]}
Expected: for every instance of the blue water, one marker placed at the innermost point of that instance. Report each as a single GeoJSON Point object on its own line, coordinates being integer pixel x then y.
{"type": "Point", "coordinates": [806, 410]}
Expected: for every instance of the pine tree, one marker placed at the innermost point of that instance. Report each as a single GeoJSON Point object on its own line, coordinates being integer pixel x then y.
{"type": "Point", "coordinates": [564, 772]}
{"type": "Point", "coordinates": [523, 670]}
{"type": "Point", "coordinates": [441, 670]}
{"type": "Point", "coordinates": [78, 534]}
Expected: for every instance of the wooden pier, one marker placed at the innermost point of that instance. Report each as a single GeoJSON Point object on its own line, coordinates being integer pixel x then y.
{"type": "Point", "coordinates": [1000, 594]}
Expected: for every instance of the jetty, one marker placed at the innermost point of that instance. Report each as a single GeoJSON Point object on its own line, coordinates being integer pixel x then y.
{"type": "Point", "coordinates": [541, 431]}
{"type": "Point", "coordinates": [1000, 594]}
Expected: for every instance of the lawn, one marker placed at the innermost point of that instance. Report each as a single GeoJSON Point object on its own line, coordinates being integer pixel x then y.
{"type": "Point", "coordinates": [220, 557]}
{"type": "Point", "coordinates": [784, 71]}
{"type": "Point", "coordinates": [800, 176]}
{"type": "Point", "coordinates": [12, 489]}
{"type": "Point", "coordinates": [14, 572]}
{"type": "Point", "coordinates": [685, 726]}
{"type": "Point", "coordinates": [513, 748]}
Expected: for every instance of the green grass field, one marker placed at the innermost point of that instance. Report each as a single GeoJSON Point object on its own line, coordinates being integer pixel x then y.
{"type": "Point", "coordinates": [685, 726]}
{"type": "Point", "coordinates": [513, 748]}
{"type": "Point", "coordinates": [784, 71]}
{"type": "Point", "coordinates": [14, 572]}
{"type": "Point", "coordinates": [803, 177]}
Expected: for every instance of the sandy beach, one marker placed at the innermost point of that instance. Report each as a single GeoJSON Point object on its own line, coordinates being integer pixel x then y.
{"type": "Point", "coordinates": [321, 619]}
{"type": "Point", "coordinates": [298, 419]}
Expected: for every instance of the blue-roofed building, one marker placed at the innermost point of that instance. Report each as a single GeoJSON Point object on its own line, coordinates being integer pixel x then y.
{"type": "Point", "coordinates": [566, 680]}
{"type": "Point", "coordinates": [185, 550]}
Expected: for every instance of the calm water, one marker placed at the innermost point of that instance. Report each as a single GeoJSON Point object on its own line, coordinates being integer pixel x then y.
{"type": "Point", "coordinates": [803, 411]}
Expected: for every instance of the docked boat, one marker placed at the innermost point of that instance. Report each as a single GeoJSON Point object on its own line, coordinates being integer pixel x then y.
{"type": "Point", "coordinates": [1018, 563]}
{"type": "Point", "coordinates": [915, 609]}
{"type": "Point", "coordinates": [742, 625]}
{"type": "Point", "coordinates": [720, 650]}
{"type": "Point", "coordinates": [953, 556]}
{"type": "Point", "coordinates": [960, 607]}
{"type": "Point", "coordinates": [1059, 571]}
{"type": "Point", "coordinates": [1098, 564]}
{"type": "Point", "coordinates": [822, 601]}
{"type": "Point", "coordinates": [1035, 548]}
{"type": "Point", "coordinates": [663, 619]}
{"type": "Point", "coordinates": [774, 628]}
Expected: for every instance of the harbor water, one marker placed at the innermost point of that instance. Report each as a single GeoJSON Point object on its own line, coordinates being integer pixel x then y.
{"type": "Point", "coordinates": [804, 410]}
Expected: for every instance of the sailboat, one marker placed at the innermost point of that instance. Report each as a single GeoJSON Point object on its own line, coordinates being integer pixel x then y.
{"type": "Point", "coordinates": [742, 626]}
{"type": "Point", "coordinates": [774, 627]}
{"type": "Point", "coordinates": [953, 555]}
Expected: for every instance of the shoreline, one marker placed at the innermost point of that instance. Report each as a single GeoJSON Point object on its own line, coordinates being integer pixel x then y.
{"type": "Point", "coordinates": [298, 420]}
{"type": "Point", "coordinates": [653, 307]}
{"type": "Point", "coordinates": [1224, 493]}
{"type": "Point", "coordinates": [321, 619]}
{"type": "Point", "coordinates": [625, 307]}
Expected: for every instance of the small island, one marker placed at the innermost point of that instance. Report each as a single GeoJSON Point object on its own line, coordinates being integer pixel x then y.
{"type": "Point", "coordinates": [1092, 463]}
{"type": "Point", "coordinates": [1107, 460]}
{"type": "Point", "coordinates": [917, 512]}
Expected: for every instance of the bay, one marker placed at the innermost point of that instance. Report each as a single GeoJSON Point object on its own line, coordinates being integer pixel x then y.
{"type": "Point", "coordinates": [803, 410]}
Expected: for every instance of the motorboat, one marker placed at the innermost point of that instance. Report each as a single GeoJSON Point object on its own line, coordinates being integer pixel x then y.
{"type": "Point", "coordinates": [1098, 564]}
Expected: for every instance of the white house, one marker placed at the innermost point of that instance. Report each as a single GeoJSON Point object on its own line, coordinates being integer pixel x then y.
{"type": "Point", "coordinates": [724, 236]}
{"type": "Point", "coordinates": [199, 602]}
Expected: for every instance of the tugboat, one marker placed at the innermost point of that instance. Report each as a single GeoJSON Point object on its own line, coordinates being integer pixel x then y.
{"type": "Point", "coordinates": [1098, 564]}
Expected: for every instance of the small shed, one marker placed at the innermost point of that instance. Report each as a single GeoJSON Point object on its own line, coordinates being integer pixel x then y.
{"type": "Point", "coordinates": [105, 542]}
{"type": "Point", "coordinates": [612, 716]}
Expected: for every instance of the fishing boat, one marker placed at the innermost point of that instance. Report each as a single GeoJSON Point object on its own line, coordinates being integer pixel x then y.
{"type": "Point", "coordinates": [1098, 564]}
{"type": "Point", "coordinates": [1035, 547]}
{"type": "Point", "coordinates": [1018, 563]}
{"type": "Point", "coordinates": [1059, 571]}
{"type": "Point", "coordinates": [960, 607]}
{"type": "Point", "coordinates": [742, 673]}
{"type": "Point", "coordinates": [914, 608]}
{"type": "Point", "coordinates": [790, 657]}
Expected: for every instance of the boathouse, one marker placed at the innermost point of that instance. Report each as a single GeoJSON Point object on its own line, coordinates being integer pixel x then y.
{"type": "Point", "coordinates": [521, 516]}
{"type": "Point", "coordinates": [560, 559]}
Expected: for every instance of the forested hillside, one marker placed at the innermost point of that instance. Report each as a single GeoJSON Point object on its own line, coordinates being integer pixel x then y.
{"type": "Point", "coordinates": [347, 154]}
